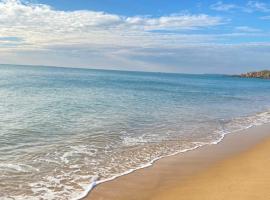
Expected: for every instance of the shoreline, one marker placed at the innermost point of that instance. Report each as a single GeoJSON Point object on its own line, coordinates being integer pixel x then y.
{"type": "Point", "coordinates": [116, 187]}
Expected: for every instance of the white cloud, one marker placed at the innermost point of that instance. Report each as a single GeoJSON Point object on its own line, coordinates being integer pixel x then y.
{"type": "Point", "coordinates": [174, 22]}
{"type": "Point", "coordinates": [258, 6]}
{"type": "Point", "coordinates": [247, 29]}
{"type": "Point", "coordinates": [39, 25]}
{"type": "Point", "coordinates": [249, 7]}
{"type": "Point", "coordinates": [220, 6]}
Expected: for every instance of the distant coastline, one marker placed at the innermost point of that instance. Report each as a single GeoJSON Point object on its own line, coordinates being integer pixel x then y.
{"type": "Point", "coordinates": [265, 74]}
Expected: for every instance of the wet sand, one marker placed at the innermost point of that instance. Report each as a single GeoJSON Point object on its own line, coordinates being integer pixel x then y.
{"type": "Point", "coordinates": [236, 168]}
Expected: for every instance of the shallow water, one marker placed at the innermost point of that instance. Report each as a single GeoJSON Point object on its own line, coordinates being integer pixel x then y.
{"type": "Point", "coordinates": [62, 129]}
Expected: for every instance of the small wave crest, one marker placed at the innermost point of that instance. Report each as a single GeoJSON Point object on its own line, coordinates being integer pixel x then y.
{"type": "Point", "coordinates": [17, 167]}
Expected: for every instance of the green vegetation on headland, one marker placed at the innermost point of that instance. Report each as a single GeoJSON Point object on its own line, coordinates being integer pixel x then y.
{"type": "Point", "coordinates": [265, 74]}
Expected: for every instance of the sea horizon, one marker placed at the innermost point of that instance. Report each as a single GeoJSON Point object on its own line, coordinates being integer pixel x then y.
{"type": "Point", "coordinates": [121, 70]}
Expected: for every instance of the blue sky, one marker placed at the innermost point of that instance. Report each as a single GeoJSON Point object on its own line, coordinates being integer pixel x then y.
{"type": "Point", "coordinates": [170, 36]}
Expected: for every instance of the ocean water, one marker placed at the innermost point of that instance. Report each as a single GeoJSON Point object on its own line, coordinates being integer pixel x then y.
{"type": "Point", "coordinates": [64, 130]}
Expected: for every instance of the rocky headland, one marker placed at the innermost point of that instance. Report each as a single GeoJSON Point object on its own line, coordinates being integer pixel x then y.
{"type": "Point", "coordinates": [265, 74]}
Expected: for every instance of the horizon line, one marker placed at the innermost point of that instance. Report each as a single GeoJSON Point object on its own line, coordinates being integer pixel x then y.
{"type": "Point", "coordinates": [117, 70]}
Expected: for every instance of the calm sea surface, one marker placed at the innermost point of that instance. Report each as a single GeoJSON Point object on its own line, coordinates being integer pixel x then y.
{"type": "Point", "coordinates": [63, 130]}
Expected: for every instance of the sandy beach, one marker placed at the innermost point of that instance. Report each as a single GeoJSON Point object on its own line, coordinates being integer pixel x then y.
{"type": "Point", "coordinates": [242, 177]}
{"type": "Point", "coordinates": [236, 168]}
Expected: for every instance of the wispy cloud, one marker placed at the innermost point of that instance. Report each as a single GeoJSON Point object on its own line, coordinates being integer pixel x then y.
{"type": "Point", "coordinates": [265, 17]}
{"type": "Point", "coordinates": [204, 58]}
{"type": "Point", "coordinates": [247, 29]}
{"type": "Point", "coordinates": [220, 6]}
{"type": "Point", "coordinates": [174, 22]}
{"type": "Point", "coordinates": [258, 6]}
{"type": "Point", "coordinates": [249, 7]}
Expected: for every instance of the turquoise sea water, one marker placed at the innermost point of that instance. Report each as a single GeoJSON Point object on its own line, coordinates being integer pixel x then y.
{"type": "Point", "coordinates": [63, 130]}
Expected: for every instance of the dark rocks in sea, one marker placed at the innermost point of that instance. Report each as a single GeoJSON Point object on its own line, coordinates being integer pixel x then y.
{"type": "Point", "coordinates": [265, 74]}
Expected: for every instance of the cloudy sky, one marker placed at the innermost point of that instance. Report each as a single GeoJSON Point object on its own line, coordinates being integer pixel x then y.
{"type": "Point", "coordinates": [146, 35]}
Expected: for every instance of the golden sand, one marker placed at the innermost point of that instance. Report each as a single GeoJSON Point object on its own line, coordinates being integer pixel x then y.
{"type": "Point", "coordinates": [238, 168]}
{"type": "Point", "coordinates": [242, 177]}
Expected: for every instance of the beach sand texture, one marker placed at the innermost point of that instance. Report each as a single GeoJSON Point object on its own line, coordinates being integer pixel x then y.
{"type": "Point", "coordinates": [237, 168]}
{"type": "Point", "coordinates": [242, 177]}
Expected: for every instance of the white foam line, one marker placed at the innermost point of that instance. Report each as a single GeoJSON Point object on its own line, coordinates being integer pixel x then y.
{"type": "Point", "coordinates": [149, 164]}
{"type": "Point", "coordinates": [95, 183]}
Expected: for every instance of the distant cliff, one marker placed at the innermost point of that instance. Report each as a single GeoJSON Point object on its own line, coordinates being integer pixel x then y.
{"type": "Point", "coordinates": [265, 74]}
